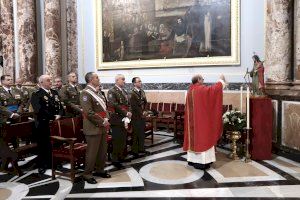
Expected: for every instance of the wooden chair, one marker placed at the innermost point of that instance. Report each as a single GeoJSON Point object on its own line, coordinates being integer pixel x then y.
{"type": "Point", "coordinates": [13, 131]}
{"type": "Point", "coordinates": [166, 117]}
{"type": "Point", "coordinates": [68, 144]}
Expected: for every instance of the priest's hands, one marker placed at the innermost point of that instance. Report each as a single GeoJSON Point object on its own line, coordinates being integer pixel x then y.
{"type": "Point", "coordinates": [222, 77]}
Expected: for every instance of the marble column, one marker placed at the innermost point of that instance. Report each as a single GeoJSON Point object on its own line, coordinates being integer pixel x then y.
{"type": "Point", "coordinates": [27, 35]}
{"type": "Point", "coordinates": [7, 35]}
{"type": "Point", "coordinates": [297, 46]}
{"type": "Point", "coordinates": [278, 43]}
{"type": "Point", "coordinates": [52, 26]}
{"type": "Point", "coordinates": [72, 53]}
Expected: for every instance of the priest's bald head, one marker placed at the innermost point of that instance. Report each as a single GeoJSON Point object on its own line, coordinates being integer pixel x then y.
{"type": "Point", "coordinates": [197, 79]}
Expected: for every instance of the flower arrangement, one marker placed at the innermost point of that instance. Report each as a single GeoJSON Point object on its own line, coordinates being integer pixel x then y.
{"type": "Point", "coordinates": [234, 120]}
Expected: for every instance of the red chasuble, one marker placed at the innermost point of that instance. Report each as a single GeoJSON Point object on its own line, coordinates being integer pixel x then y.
{"type": "Point", "coordinates": [203, 123]}
{"type": "Point", "coordinates": [261, 70]}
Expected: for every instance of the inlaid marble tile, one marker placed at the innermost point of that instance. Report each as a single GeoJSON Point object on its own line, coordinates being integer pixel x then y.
{"type": "Point", "coordinates": [291, 124]}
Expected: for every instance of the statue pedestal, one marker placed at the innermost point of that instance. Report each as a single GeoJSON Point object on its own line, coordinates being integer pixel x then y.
{"type": "Point", "coordinates": [261, 120]}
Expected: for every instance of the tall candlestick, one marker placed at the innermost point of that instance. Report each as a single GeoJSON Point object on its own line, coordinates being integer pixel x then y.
{"type": "Point", "coordinates": [248, 108]}
{"type": "Point", "coordinates": [241, 99]}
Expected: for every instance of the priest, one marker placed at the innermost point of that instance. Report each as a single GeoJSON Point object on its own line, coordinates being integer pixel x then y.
{"type": "Point", "coordinates": [203, 121]}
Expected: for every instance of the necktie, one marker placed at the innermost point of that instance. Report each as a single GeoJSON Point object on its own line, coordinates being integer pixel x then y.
{"type": "Point", "coordinates": [140, 92]}
{"type": "Point", "coordinates": [9, 92]}
{"type": "Point", "coordinates": [76, 89]}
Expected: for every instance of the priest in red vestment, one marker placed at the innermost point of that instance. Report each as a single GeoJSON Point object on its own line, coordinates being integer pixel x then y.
{"type": "Point", "coordinates": [203, 123]}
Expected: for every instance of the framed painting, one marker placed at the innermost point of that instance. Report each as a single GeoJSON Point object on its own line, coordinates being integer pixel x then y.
{"type": "Point", "coordinates": [167, 33]}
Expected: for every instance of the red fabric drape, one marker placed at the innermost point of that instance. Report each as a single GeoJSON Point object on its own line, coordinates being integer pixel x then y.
{"type": "Point", "coordinates": [261, 119]}
{"type": "Point", "coordinates": [203, 117]}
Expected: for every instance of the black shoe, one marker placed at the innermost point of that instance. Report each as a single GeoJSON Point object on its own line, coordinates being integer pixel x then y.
{"type": "Point", "coordinates": [102, 174]}
{"type": "Point", "coordinates": [118, 165]}
{"type": "Point", "coordinates": [90, 180]}
{"type": "Point", "coordinates": [191, 164]}
{"type": "Point", "coordinates": [199, 166]}
{"type": "Point", "coordinates": [144, 152]}
{"type": "Point", "coordinates": [135, 155]}
{"type": "Point", "coordinates": [41, 170]}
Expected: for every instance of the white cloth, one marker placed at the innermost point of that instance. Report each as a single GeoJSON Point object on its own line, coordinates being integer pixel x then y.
{"type": "Point", "coordinates": [126, 121]}
{"type": "Point", "coordinates": [97, 98]}
{"type": "Point", "coordinates": [203, 157]}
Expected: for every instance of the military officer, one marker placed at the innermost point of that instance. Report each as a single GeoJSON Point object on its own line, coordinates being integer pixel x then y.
{"type": "Point", "coordinates": [95, 124]}
{"type": "Point", "coordinates": [57, 84]}
{"type": "Point", "coordinates": [138, 103]}
{"type": "Point", "coordinates": [10, 97]}
{"type": "Point", "coordinates": [119, 108]}
{"type": "Point", "coordinates": [25, 93]}
{"type": "Point", "coordinates": [69, 95]}
{"type": "Point", "coordinates": [47, 106]}
{"type": "Point", "coordinates": [5, 152]}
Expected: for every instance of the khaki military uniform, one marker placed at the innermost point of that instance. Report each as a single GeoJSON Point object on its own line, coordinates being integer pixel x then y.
{"type": "Point", "coordinates": [138, 103]}
{"type": "Point", "coordinates": [70, 97]}
{"type": "Point", "coordinates": [118, 101]}
{"type": "Point", "coordinates": [94, 112]}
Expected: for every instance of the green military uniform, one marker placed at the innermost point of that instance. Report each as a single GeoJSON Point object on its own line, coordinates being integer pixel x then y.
{"type": "Point", "coordinates": [94, 112]}
{"type": "Point", "coordinates": [118, 101]}
{"type": "Point", "coordinates": [69, 95]}
{"type": "Point", "coordinates": [26, 96]}
{"type": "Point", "coordinates": [13, 101]}
{"type": "Point", "coordinates": [138, 103]}
{"type": "Point", "coordinates": [5, 151]}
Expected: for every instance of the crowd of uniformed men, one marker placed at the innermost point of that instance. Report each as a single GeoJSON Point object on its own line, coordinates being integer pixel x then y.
{"type": "Point", "coordinates": [99, 113]}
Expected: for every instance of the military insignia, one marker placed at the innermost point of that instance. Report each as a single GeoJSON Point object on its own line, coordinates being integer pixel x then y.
{"type": "Point", "coordinates": [17, 96]}
{"type": "Point", "coordinates": [25, 93]}
{"type": "Point", "coordinates": [46, 98]}
{"type": "Point", "coordinates": [84, 98]}
{"type": "Point", "coordinates": [110, 96]}
{"type": "Point", "coordinates": [5, 103]}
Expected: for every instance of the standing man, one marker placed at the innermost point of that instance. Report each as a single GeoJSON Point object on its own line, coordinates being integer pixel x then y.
{"type": "Point", "coordinates": [138, 104]}
{"type": "Point", "coordinates": [57, 84]}
{"type": "Point", "coordinates": [95, 124]}
{"type": "Point", "coordinates": [10, 97]}
{"type": "Point", "coordinates": [119, 108]}
{"type": "Point", "coordinates": [46, 106]}
{"type": "Point", "coordinates": [203, 121]}
{"type": "Point", "coordinates": [69, 95]}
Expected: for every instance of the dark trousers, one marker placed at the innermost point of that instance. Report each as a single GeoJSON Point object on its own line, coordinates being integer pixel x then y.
{"type": "Point", "coordinates": [119, 136]}
{"type": "Point", "coordinates": [43, 144]}
{"type": "Point", "coordinates": [138, 140]}
{"type": "Point", "coordinates": [96, 154]}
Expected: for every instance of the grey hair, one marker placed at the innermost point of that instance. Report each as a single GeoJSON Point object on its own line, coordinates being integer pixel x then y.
{"type": "Point", "coordinates": [89, 76]}
{"type": "Point", "coordinates": [43, 77]}
{"type": "Point", "coordinates": [119, 76]}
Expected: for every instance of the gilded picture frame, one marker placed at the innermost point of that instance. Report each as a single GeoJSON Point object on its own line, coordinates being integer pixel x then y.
{"type": "Point", "coordinates": [130, 51]}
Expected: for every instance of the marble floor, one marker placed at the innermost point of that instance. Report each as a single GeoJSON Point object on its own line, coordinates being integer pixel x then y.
{"type": "Point", "coordinates": [164, 174]}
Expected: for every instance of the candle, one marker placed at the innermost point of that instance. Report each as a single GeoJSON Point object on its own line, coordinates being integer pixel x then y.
{"type": "Point", "coordinates": [241, 99]}
{"type": "Point", "coordinates": [248, 108]}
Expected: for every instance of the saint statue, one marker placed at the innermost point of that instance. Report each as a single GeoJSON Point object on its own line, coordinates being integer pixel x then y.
{"type": "Point", "coordinates": [257, 74]}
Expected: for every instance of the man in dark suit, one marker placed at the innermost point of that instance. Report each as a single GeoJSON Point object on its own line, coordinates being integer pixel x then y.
{"type": "Point", "coordinates": [119, 108]}
{"type": "Point", "coordinates": [138, 103]}
{"type": "Point", "coordinates": [46, 106]}
{"type": "Point", "coordinates": [69, 95]}
{"type": "Point", "coordinates": [95, 123]}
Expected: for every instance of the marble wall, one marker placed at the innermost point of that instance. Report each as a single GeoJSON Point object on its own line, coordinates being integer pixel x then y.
{"type": "Point", "coordinates": [7, 35]}
{"type": "Point", "coordinates": [27, 43]}
{"type": "Point", "coordinates": [297, 42]}
{"type": "Point", "coordinates": [52, 41]}
{"type": "Point", "coordinates": [278, 40]}
{"type": "Point", "coordinates": [291, 124]}
{"type": "Point", "coordinates": [72, 43]}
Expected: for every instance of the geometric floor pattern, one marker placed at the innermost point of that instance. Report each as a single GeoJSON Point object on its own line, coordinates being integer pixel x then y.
{"type": "Point", "coordinates": [164, 174]}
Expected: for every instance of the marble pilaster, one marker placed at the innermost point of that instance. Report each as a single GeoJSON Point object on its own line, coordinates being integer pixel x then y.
{"type": "Point", "coordinates": [7, 35]}
{"type": "Point", "coordinates": [297, 46]}
{"type": "Point", "coordinates": [278, 60]}
{"type": "Point", "coordinates": [27, 36]}
{"type": "Point", "coordinates": [52, 26]}
{"type": "Point", "coordinates": [72, 54]}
